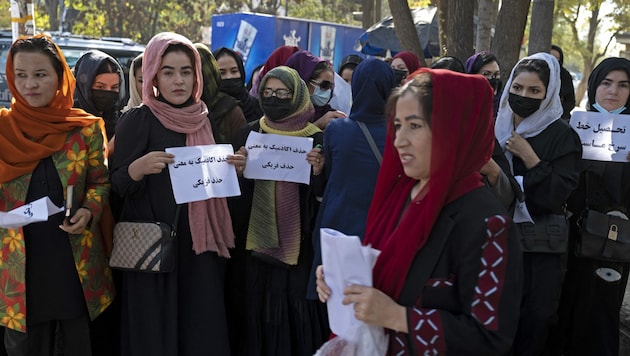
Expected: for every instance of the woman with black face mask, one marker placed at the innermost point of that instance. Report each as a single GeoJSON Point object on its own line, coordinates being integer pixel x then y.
{"type": "Point", "coordinates": [100, 87]}
{"type": "Point", "coordinates": [486, 64]}
{"type": "Point", "coordinates": [100, 91]}
{"type": "Point", "coordinates": [276, 252]}
{"type": "Point", "coordinates": [545, 152]}
{"type": "Point", "coordinates": [233, 82]}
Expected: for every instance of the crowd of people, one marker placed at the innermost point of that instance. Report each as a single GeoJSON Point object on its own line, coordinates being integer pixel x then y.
{"type": "Point", "coordinates": [445, 170]}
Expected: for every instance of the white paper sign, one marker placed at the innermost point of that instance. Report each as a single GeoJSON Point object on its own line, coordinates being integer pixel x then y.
{"type": "Point", "coordinates": [202, 172]}
{"type": "Point", "coordinates": [278, 157]}
{"type": "Point", "coordinates": [603, 135]}
{"type": "Point", "coordinates": [346, 261]}
{"type": "Point", "coordinates": [36, 211]}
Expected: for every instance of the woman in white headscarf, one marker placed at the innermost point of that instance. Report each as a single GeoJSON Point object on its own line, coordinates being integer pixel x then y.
{"type": "Point", "coordinates": [545, 152]}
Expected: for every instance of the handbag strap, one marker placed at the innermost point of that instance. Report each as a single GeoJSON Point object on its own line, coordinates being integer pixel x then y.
{"type": "Point", "coordinates": [175, 221]}
{"type": "Point", "coordinates": [370, 139]}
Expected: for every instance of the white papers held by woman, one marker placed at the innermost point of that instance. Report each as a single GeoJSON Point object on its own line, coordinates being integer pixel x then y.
{"type": "Point", "coordinates": [346, 261]}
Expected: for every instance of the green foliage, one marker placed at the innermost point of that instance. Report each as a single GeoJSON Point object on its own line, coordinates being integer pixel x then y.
{"type": "Point", "coordinates": [330, 11]}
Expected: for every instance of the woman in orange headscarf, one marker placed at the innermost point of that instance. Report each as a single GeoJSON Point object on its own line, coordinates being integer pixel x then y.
{"type": "Point", "coordinates": [47, 147]}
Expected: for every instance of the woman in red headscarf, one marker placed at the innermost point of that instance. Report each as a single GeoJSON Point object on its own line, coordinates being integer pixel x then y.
{"type": "Point", "coordinates": [448, 278]}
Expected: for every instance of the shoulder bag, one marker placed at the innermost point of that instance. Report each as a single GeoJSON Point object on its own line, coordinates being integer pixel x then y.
{"type": "Point", "coordinates": [602, 236]}
{"type": "Point", "coordinates": [548, 234]}
{"type": "Point", "coordinates": [144, 246]}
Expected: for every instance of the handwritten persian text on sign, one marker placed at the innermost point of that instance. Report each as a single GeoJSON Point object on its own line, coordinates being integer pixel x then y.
{"type": "Point", "coordinates": [603, 135]}
{"type": "Point", "coordinates": [202, 172]}
{"type": "Point", "coordinates": [278, 157]}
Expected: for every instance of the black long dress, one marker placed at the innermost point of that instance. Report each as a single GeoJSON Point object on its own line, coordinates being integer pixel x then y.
{"type": "Point", "coordinates": [165, 314]}
{"type": "Point", "coordinates": [267, 306]}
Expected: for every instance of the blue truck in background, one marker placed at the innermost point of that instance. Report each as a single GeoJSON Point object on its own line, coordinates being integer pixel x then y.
{"type": "Point", "coordinates": [254, 36]}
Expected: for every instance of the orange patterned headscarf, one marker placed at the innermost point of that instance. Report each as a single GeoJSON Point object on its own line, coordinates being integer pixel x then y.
{"type": "Point", "coordinates": [29, 134]}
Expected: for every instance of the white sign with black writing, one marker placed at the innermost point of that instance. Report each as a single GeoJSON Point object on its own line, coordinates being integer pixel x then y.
{"type": "Point", "coordinates": [603, 135]}
{"type": "Point", "coordinates": [202, 172]}
{"type": "Point", "coordinates": [278, 157]}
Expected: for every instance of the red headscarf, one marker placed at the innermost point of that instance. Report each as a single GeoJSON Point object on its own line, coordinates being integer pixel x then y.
{"type": "Point", "coordinates": [411, 60]}
{"type": "Point", "coordinates": [29, 134]}
{"type": "Point", "coordinates": [462, 142]}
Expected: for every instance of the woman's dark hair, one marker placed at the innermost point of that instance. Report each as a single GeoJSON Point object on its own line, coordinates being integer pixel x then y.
{"type": "Point", "coordinates": [421, 86]}
{"type": "Point", "coordinates": [320, 68]}
{"type": "Point", "coordinates": [42, 45]}
{"type": "Point", "coordinates": [538, 66]}
{"type": "Point", "coordinates": [107, 66]}
{"type": "Point", "coordinates": [482, 59]}
{"type": "Point", "coordinates": [180, 47]}
{"type": "Point", "coordinates": [450, 63]}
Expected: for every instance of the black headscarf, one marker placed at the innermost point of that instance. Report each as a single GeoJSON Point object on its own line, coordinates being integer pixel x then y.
{"type": "Point", "coordinates": [85, 70]}
{"type": "Point", "coordinates": [599, 74]}
{"type": "Point", "coordinates": [249, 104]}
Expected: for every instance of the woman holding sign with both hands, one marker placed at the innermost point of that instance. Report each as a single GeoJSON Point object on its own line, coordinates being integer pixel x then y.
{"type": "Point", "coordinates": [180, 312]}
{"type": "Point", "coordinates": [274, 317]}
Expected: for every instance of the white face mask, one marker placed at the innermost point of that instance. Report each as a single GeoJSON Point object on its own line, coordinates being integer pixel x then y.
{"type": "Point", "coordinates": [320, 97]}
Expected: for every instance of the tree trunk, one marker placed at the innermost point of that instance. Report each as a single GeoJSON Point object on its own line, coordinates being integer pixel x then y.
{"type": "Point", "coordinates": [541, 26]}
{"type": "Point", "coordinates": [368, 13]}
{"type": "Point", "coordinates": [52, 8]}
{"type": "Point", "coordinates": [486, 18]}
{"type": "Point", "coordinates": [508, 34]}
{"type": "Point", "coordinates": [459, 42]}
{"type": "Point", "coordinates": [405, 28]}
{"type": "Point", "coordinates": [442, 13]}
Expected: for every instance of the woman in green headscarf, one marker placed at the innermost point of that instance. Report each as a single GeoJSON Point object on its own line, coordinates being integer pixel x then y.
{"type": "Point", "coordinates": [276, 246]}
{"type": "Point", "coordinates": [226, 116]}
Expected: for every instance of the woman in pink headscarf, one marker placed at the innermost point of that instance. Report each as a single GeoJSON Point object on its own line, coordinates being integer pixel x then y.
{"type": "Point", "coordinates": [180, 312]}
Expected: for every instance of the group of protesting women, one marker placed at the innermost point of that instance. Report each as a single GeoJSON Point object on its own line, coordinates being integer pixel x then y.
{"type": "Point", "coordinates": [439, 169]}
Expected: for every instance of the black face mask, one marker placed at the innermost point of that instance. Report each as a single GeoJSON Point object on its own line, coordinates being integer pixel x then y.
{"type": "Point", "coordinates": [104, 100]}
{"type": "Point", "coordinates": [232, 87]}
{"type": "Point", "coordinates": [276, 109]}
{"type": "Point", "coordinates": [523, 106]}
{"type": "Point", "coordinates": [400, 75]}
{"type": "Point", "coordinates": [496, 84]}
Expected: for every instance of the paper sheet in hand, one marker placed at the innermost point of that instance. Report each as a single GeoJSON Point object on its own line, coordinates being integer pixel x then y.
{"type": "Point", "coordinates": [345, 262]}
{"type": "Point", "coordinates": [36, 211]}
{"type": "Point", "coordinates": [202, 172]}
{"type": "Point", "coordinates": [278, 157]}
{"type": "Point", "coordinates": [521, 213]}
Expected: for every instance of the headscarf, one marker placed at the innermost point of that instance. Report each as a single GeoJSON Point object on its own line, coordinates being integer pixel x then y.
{"type": "Point", "coordinates": [85, 71]}
{"type": "Point", "coordinates": [561, 59]}
{"type": "Point", "coordinates": [372, 82]}
{"type": "Point", "coordinates": [462, 143]}
{"type": "Point", "coordinates": [599, 74]}
{"type": "Point", "coordinates": [29, 134]}
{"type": "Point", "coordinates": [277, 58]}
{"type": "Point", "coordinates": [135, 98]}
{"type": "Point", "coordinates": [411, 60]}
{"type": "Point", "coordinates": [249, 104]}
{"type": "Point", "coordinates": [219, 104]}
{"type": "Point", "coordinates": [210, 222]}
{"type": "Point", "coordinates": [550, 109]}
{"type": "Point", "coordinates": [475, 62]}
{"type": "Point", "coordinates": [275, 227]}
{"type": "Point", "coordinates": [304, 62]}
